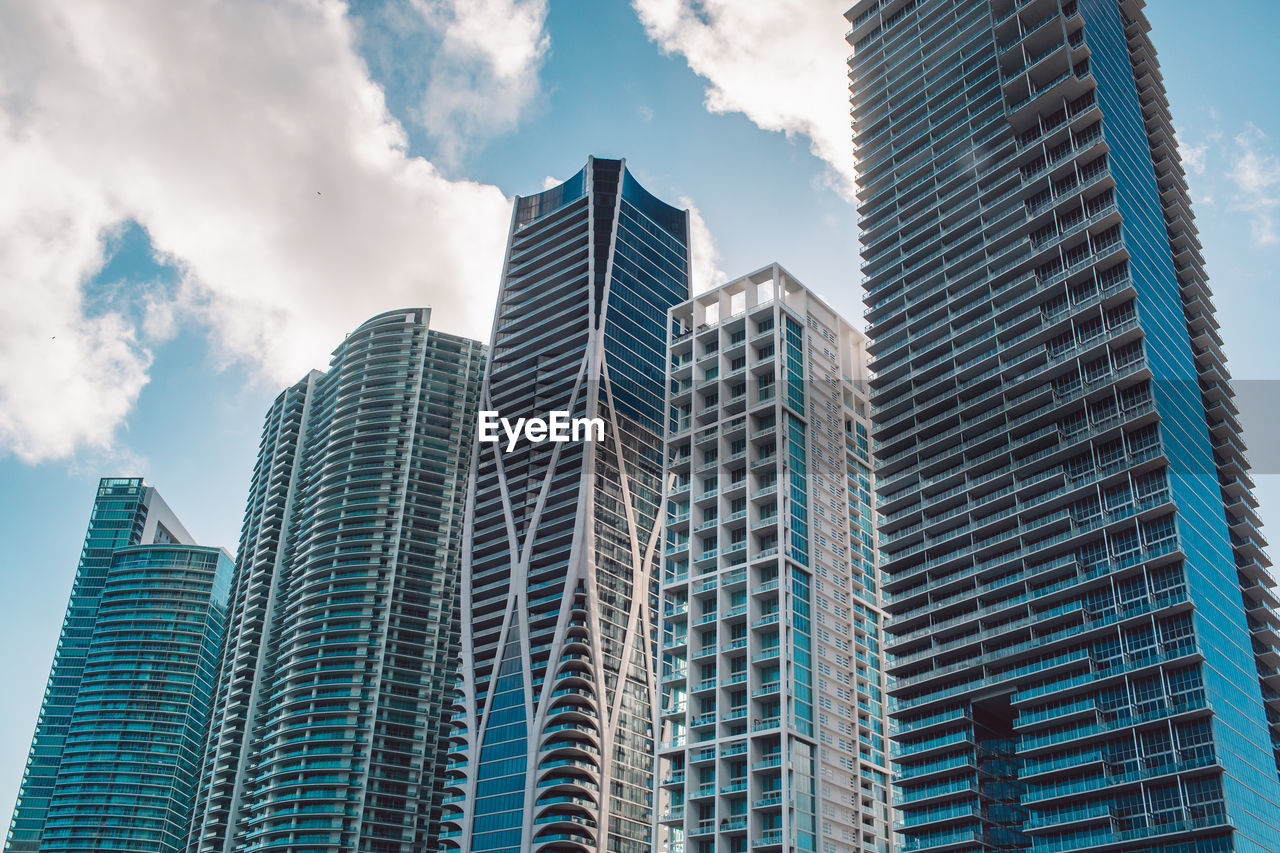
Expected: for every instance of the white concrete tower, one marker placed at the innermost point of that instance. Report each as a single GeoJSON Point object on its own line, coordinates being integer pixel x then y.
{"type": "Point", "coordinates": [772, 715]}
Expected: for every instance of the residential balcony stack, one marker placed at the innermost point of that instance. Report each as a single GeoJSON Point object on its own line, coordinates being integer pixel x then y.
{"type": "Point", "coordinates": [1082, 630]}
{"type": "Point", "coordinates": [342, 643]}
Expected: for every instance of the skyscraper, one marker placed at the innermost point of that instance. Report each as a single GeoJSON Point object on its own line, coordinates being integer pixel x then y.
{"type": "Point", "coordinates": [126, 781]}
{"type": "Point", "coordinates": [555, 741]}
{"type": "Point", "coordinates": [774, 722]}
{"type": "Point", "coordinates": [342, 636]}
{"type": "Point", "coordinates": [126, 511]}
{"type": "Point", "coordinates": [1075, 578]}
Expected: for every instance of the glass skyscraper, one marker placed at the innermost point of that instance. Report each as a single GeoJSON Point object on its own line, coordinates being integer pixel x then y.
{"type": "Point", "coordinates": [327, 729]}
{"type": "Point", "coordinates": [774, 724]}
{"type": "Point", "coordinates": [126, 511]}
{"type": "Point", "coordinates": [555, 722]}
{"type": "Point", "coordinates": [132, 754]}
{"type": "Point", "coordinates": [1081, 626]}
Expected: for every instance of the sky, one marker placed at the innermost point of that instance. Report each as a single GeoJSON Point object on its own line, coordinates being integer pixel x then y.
{"type": "Point", "coordinates": [200, 199]}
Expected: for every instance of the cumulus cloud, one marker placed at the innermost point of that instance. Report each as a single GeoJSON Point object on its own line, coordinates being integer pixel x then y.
{"type": "Point", "coordinates": [483, 72]}
{"type": "Point", "coordinates": [1255, 171]}
{"type": "Point", "coordinates": [781, 64]}
{"type": "Point", "coordinates": [1193, 156]}
{"type": "Point", "coordinates": [1197, 160]}
{"type": "Point", "coordinates": [704, 258]}
{"type": "Point", "coordinates": [249, 142]}
{"type": "Point", "coordinates": [58, 366]}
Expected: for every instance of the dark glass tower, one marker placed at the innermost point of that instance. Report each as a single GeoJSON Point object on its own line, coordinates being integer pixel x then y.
{"type": "Point", "coordinates": [555, 723]}
{"type": "Point", "coordinates": [128, 773]}
{"type": "Point", "coordinates": [342, 642]}
{"type": "Point", "coordinates": [125, 512]}
{"type": "Point", "coordinates": [1081, 617]}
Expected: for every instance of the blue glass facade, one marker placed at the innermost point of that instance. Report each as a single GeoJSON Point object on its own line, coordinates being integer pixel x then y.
{"type": "Point", "coordinates": [1080, 607]}
{"type": "Point", "coordinates": [132, 755]}
{"type": "Point", "coordinates": [554, 727]}
{"type": "Point", "coordinates": [126, 511]}
{"type": "Point", "coordinates": [1241, 732]}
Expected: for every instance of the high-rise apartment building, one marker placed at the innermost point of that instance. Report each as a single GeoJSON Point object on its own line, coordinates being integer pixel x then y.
{"type": "Point", "coordinates": [1081, 613]}
{"type": "Point", "coordinates": [126, 512]}
{"type": "Point", "coordinates": [127, 778]}
{"type": "Point", "coordinates": [554, 724]}
{"type": "Point", "coordinates": [773, 715]}
{"type": "Point", "coordinates": [327, 729]}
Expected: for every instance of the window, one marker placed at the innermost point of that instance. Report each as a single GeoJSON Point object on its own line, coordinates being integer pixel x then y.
{"type": "Point", "coordinates": [1159, 531]}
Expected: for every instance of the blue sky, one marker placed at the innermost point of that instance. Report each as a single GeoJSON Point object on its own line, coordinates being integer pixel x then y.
{"type": "Point", "coordinates": [200, 204]}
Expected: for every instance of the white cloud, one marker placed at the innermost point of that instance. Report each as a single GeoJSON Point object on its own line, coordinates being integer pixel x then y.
{"type": "Point", "coordinates": [250, 143]}
{"type": "Point", "coordinates": [704, 259]}
{"type": "Point", "coordinates": [58, 367]}
{"type": "Point", "coordinates": [484, 70]}
{"type": "Point", "coordinates": [781, 64]}
{"type": "Point", "coordinates": [1255, 171]}
{"type": "Point", "coordinates": [1193, 156]}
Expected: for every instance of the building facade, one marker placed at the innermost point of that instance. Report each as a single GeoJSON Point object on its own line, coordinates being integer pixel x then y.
{"type": "Point", "coordinates": [126, 512]}
{"type": "Point", "coordinates": [126, 781]}
{"type": "Point", "coordinates": [554, 723]}
{"type": "Point", "coordinates": [1081, 620]}
{"type": "Point", "coordinates": [773, 714]}
{"type": "Point", "coordinates": [342, 638]}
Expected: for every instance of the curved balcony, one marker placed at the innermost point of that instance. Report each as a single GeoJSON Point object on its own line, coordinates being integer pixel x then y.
{"type": "Point", "coordinates": [574, 678]}
{"type": "Point", "coordinates": [575, 660]}
{"type": "Point", "coordinates": [570, 747]}
{"type": "Point", "coordinates": [557, 784]}
{"type": "Point", "coordinates": [566, 836]}
{"type": "Point", "coordinates": [452, 813]}
{"type": "Point", "coordinates": [578, 642]}
{"type": "Point", "coordinates": [585, 729]}
{"type": "Point", "coordinates": [572, 694]}
{"type": "Point", "coordinates": [566, 800]}
{"type": "Point", "coordinates": [565, 808]}
{"type": "Point", "coordinates": [572, 713]}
